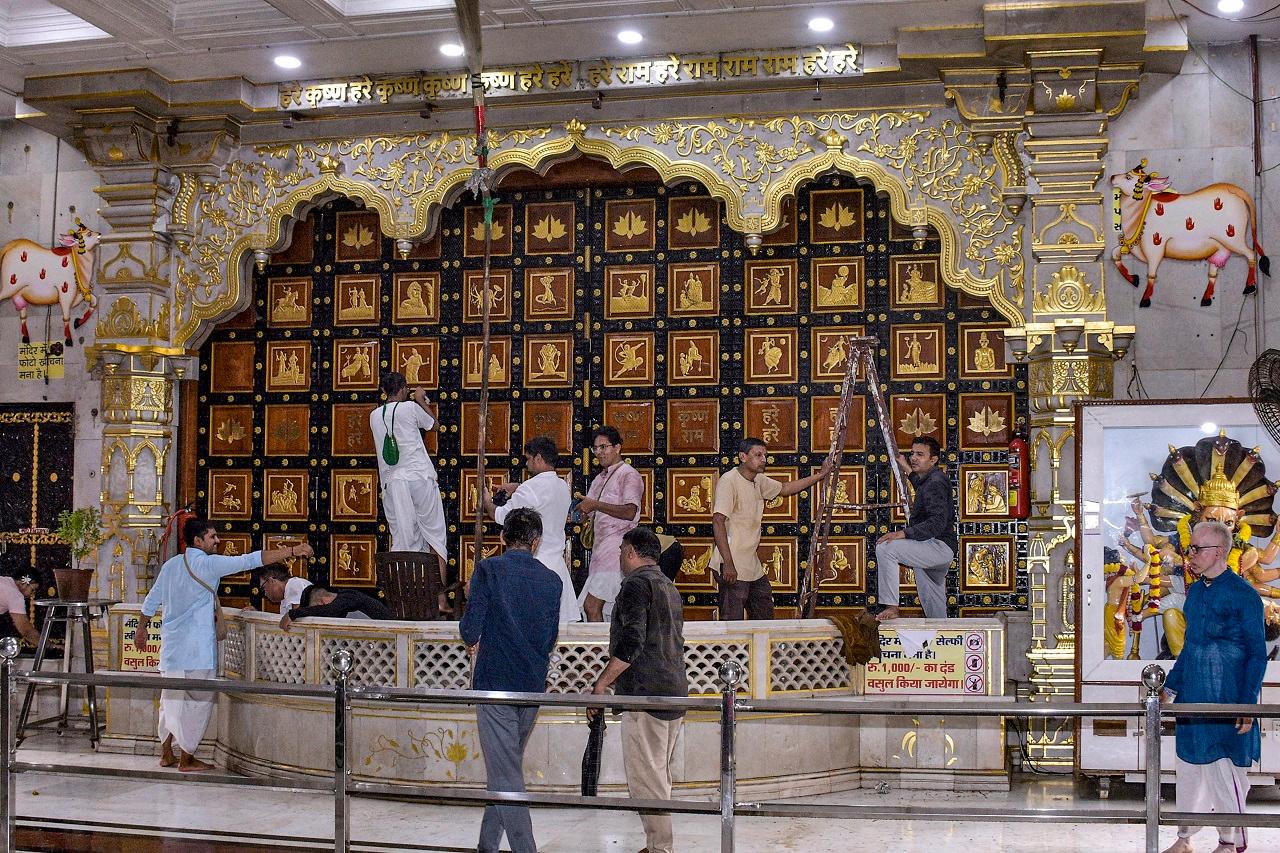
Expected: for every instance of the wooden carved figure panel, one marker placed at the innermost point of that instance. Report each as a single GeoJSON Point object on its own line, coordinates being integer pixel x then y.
{"type": "Point", "coordinates": [837, 283]}
{"type": "Point", "coordinates": [778, 558]}
{"type": "Point", "coordinates": [548, 293]}
{"type": "Point", "coordinates": [693, 358]}
{"type": "Point", "coordinates": [693, 426]}
{"type": "Point", "coordinates": [851, 488]}
{"type": "Point", "coordinates": [296, 566]}
{"type": "Point", "coordinates": [987, 563]}
{"type": "Point", "coordinates": [691, 494]}
{"type": "Point", "coordinates": [695, 573]}
{"type": "Point", "coordinates": [415, 298]}
{"type": "Point", "coordinates": [499, 296]}
{"type": "Point", "coordinates": [634, 422]}
{"type": "Point", "coordinates": [356, 300]}
{"type": "Point", "coordinates": [550, 418]}
{"type": "Point", "coordinates": [355, 365]}
{"type": "Point", "coordinates": [499, 362]}
{"type": "Point", "coordinates": [982, 352]}
{"type": "Point", "coordinates": [770, 356]}
{"type": "Point", "coordinates": [693, 223]}
{"type": "Point", "coordinates": [287, 430]}
{"type": "Point", "coordinates": [628, 291]}
{"type": "Point", "coordinates": [235, 545]}
{"type": "Point", "coordinates": [984, 492]}
{"type": "Point", "coordinates": [473, 231]}
{"type": "Point", "coordinates": [549, 228]}
{"type": "Point", "coordinates": [629, 225]}
{"type": "Point", "coordinates": [829, 352]}
{"type": "Point", "coordinates": [419, 360]}
{"type": "Point", "coordinates": [918, 352]}
{"type": "Point", "coordinates": [351, 560]}
{"type": "Point", "coordinates": [289, 302]}
{"type": "Point", "coordinates": [629, 358]}
{"type": "Point", "coordinates": [846, 565]}
{"type": "Point", "coordinates": [230, 495]}
{"type": "Point", "coordinates": [914, 283]}
{"type": "Point", "coordinates": [353, 495]}
{"type": "Point", "coordinates": [468, 498]}
{"type": "Point", "coordinates": [285, 495]}
{"type": "Point", "coordinates": [770, 286]}
{"type": "Point", "coordinates": [230, 430]}
{"type": "Point", "coordinates": [773, 421]}
{"type": "Point", "coordinates": [693, 290]}
{"type": "Point", "coordinates": [488, 548]}
{"type": "Point", "coordinates": [548, 361]}
{"type": "Point", "coordinates": [288, 366]}
{"type": "Point", "coordinates": [784, 509]}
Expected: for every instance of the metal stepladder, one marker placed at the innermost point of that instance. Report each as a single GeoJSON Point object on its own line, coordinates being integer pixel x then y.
{"type": "Point", "coordinates": [861, 361]}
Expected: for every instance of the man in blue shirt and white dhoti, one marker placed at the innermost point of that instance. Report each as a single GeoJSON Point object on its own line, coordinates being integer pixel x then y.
{"type": "Point", "coordinates": [189, 645]}
{"type": "Point", "coordinates": [1222, 661]}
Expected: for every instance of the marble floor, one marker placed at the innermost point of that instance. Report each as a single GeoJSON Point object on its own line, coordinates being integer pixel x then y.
{"type": "Point", "coordinates": [70, 812]}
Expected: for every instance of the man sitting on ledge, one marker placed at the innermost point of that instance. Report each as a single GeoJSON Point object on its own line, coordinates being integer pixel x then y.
{"type": "Point", "coordinates": [927, 543]}
{"type": "Point", "coordinates": [318, 601]}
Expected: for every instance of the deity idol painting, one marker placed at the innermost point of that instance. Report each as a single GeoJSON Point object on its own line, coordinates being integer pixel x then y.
{"type": "Point", "coordinates": [1217, 479]}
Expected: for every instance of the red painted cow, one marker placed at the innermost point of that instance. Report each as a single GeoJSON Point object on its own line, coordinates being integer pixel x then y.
{"type": "Point", "coordinates": [30, 274]}
{"type": "Point", "coordinates": [1209, 224]}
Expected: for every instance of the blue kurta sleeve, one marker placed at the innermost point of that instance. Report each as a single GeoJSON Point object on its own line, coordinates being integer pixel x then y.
{"type": "Point", "coordinates": [1253, 640]}
{"type": "Point", "coordinates": [472, 623]}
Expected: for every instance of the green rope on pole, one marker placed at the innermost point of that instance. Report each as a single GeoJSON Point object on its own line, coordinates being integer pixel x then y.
{"type": "Point", "coordinates": [489, 203]}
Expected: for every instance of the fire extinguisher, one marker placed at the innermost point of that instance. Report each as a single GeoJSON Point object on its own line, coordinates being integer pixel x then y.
{"type": "Point", "coordinates": [1019, 478]}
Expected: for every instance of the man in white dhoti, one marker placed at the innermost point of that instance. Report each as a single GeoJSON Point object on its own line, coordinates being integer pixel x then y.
{"type": "Point", "coordinates": [612, 506]}
{"type": "Point", "coordinates": [548, 495]}
{"type": "Point", "coordinates": [1223, 660]}
{"type": "Point", "coordinates": [410, 490]}
{"type": "Point", "coordinates": [188, 643]}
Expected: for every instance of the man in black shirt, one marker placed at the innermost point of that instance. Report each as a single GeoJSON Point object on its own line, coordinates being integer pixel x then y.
{"type": "Point", "coordinates": [927, 543]}
{"type": "Point", "coordinates": [646, 658]}
{"type": "Point", "coordinates": [318, 601]}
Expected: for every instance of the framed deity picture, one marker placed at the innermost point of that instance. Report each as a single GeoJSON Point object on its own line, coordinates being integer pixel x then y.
{"type": "Point", "coordinates": [782, 509]}
{"type": "Point", "coordinates": [288, 365]}
{"type": "Point", "coordinates": [548, 293]}
{"type": "Point", "coordinates": [786, 233]}
{"type": "Point", "coordinates": [770, 356]}
{"type": "Point", "coordinates": [499, 361]}
{"type": "Point", "coordinates": [918, 352]}
{"type": "Point", "coordinates": [691, 492]}
{"type": "Point", "coordinates": [548, 361]}
{"type": "Point", "coordinates": [778, 559]}
{"type": "Point", "coordinates": [355, 365]}
{"type": "Point", "coordinates": [419, 360]}
{"type": "Point", "coordinates": [844, 567]}
{"type": "Point", "coordinates": [628, 292]}
{"type": "Point", "coordinates": [693, 426]}
{"type": "Point", "coordinates": [915, 283]}
{"type": "Point", "coordinates": [982, 352]}
{"type": "Point", "coordinates": [469, 498]}
{"type": "Point", "coordinates": [986, 421]}
{"type": "Point", "coordinates": [695, 565]}
{"type": "Point", "coordinates": [499, 296]}
{"type": "Point", "coordinates": [629, 225]}
{"type": "Point", "coordinates": [349, 430]}
{"type": "Point", "coordinates": [287, 431]}
{"type": "Point", "coordinates": [295, 566]}
{"type": "Point", "coordinates": [916, 416]}
{"type": "Point", "coordinates": [230, 430]}
{"type": "Point", "coordinates": [497, 429]}
{"type": "Point", "coordinates": [851, 488]}
{"type": "Point", "coordinates": [351, 560]}
{"type": "Point", "coordinates": [235, 545]}
{"type": "Point", "coordinates": [629, 358]}
{"type": "Point", "coordinates": [286, 495]}
{"type": "Point", "coordinates": [289, 302]}
{"type": "Point", "coordinates": [634, 422]}
{"type": "Point", "coordinates": [353, 495]}
{"type": "Point", "coordinates": [549, 228]}
{"type": "Point", "coordinates": [984, 492]}
{"type": "Point", "coordinates": [829, 352]}
{"type": "Point", "coordinates": [488, 548]}
{"type": "Point", "coordinates": [693, 222]}
{"type": "Point", "coordinates": [693, 357]}
{"type": "Point", "coordinates": [773, 421]}
{"type": "Point", "coordinates": [230, 495]}
{"type": "Point", "coordinates": [415, 298]}
{"type": "Point", "coordinates": [987, 563]}
{"type": "Point", "coordinates": [358, 236]}
{"type": "Point", "coordinates": [835, 216]}
{"type": "Point", "coordinates": [837, 284]}
{"type": "Point", "coordinates": [822, 417]}
{"type": "Point", "coordinates": [551, 418]}
{"type": "Point", "coordinates": [473, 231]}
{"type": "Point", "coordinates": [770, 286]}
{"type": "Point", "coordinates": [693, 290]}
{"type": "Point", "coordinates": [355, 300]}
{"type": "Point", "coordinates": [231, 368]}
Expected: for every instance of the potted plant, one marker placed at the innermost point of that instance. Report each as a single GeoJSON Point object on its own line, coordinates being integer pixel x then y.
{"type": "Point", "coordinates": [81, 530]}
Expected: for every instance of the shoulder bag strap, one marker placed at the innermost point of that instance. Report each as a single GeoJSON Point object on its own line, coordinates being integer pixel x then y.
{"type": "Point", "coordinates": [196, 577]}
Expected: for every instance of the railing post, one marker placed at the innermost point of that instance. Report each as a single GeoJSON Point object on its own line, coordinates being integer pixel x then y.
{"type": "Point", "coordinates": [8, 651]}
{"type": "Point", "coordinates": [341, 662]}
{"type": "Point", "coordinates": [730, 676]}
{"type": "Point", "coordinates": [1153, 679]}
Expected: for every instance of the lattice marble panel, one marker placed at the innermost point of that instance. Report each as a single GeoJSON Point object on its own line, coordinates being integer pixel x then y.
{"type": "Point", "coordinates": [808, 665]}
{"type": "Point", "coordinates": [233, 653]}
{"type": "Point", "coordinates": [282, 658]}
{"type": "Point", "coordinates": [574, 669]}
{"type": "Point", "coordinates": [702, 660]}
{"type": "Point", "coordinates": [441, 666]}
{"type": "Point", "coordinates": [375, 660]}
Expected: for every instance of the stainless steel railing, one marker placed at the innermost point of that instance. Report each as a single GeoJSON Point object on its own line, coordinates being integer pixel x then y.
{"type": "Point", "coordinates": [729, 705]}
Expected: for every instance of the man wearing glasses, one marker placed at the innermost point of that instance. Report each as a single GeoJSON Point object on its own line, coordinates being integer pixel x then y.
{"type": "Point", "coordinates": [613, 502]}
{"type": "Point", "coordinates": [1222, 661]}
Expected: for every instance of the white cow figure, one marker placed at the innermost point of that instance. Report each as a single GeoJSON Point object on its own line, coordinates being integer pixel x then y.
{"type": "Point", "coordinates": [30, 274]}
{"type": "Point", "coordinates": [1209, 224]}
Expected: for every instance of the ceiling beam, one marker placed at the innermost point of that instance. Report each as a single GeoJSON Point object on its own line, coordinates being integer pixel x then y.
{"type": "Point", "coordinates": [468, 14]}
{"type": "Point", "coordinates": [311, 13]}
{"type": "Point", "coordinates": [127, 20]}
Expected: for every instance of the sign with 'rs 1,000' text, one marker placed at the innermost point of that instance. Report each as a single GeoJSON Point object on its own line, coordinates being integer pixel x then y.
{"type": "Point", "coordinates": [949, 661]}
{"type": "Point", "coordinates": [132, 660]}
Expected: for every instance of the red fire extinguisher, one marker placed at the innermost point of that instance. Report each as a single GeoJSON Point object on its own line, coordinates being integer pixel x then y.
{"type": "Point", "coordinates": [1019, 478]}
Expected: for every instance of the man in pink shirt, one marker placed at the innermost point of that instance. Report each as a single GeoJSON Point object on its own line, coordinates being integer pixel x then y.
{"type": "Point", "coordinates": [613, 502]}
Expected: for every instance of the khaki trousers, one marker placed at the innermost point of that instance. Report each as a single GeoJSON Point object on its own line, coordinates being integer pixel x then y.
{"type": "Point", "coordinates": [648, 745]}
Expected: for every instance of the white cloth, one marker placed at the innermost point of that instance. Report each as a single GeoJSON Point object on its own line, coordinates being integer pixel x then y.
{"type": "Point", "coordinates": [408, 419]}
{"type": "Point", "coordinates": [604, 586]}
{"type": "Point", "coordinates": [548, 495]}
{"type": "Point", "coordinates": [11, 598]}
{"type": "Point", "coordinates": [1218, 787]}
{"type": "Point", "coordinates": [410, 491]}
{"type": "Point", "coordinates": [293, 589]}
{"type": "Point", "coordinates": [187, 638]}
{"type": "Point", "coordinates": [185, 714]}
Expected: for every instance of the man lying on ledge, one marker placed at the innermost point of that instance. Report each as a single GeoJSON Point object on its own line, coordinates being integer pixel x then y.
{"type": "Point", "coordinates": [318, 601]}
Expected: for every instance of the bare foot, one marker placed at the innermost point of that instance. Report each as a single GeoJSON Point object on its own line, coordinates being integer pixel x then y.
{"type": "Point", "coordinates": [167, 758]}
{"type": "Point", "coordinates": [1182, 845]}
{"type": "Point", "coordinates": [1224, 847]}
{"type": "Point", "coordinates": [894, 613]}
{"type": "Point", "coordinates": [191, 764]}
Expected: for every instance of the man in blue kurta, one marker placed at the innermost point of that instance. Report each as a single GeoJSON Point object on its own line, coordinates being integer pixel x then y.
{"type": "Point", "coordinates": [184, 589]}
{"type": "Point", "coordinates": [510, 627]}
{"type": "Point", "coordinates": [1222, 661]}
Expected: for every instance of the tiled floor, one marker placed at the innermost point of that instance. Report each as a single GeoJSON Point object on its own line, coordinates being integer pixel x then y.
{"type": "Point", "coordinates": [66, 812]}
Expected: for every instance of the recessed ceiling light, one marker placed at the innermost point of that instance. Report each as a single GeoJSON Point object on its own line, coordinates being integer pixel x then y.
{"type": "Point", "coordinates": [1230, 7]}
{"type": "Point", "coordinates": [630, 37]}
{"type": "Point", "coordinates": [821, 25]}
{"type": "Point", "coordinates": [451, 49]}
{"type": "Point", "coordinates": [290, 62]}
{"type": "Point", "coordinates": [1208, 427]}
